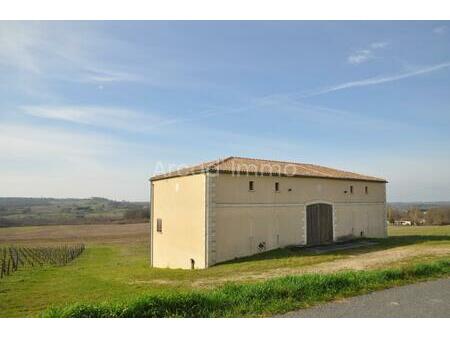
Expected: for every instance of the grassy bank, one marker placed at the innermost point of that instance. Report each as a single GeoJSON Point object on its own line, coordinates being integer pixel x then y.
{"type": "Point", "coordinates": [256, 299]}
{"type": "Point", "coordinates": [114, 266]}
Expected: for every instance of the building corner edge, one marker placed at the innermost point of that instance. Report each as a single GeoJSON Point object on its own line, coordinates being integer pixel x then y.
{"type": "Point", "coordinates": [151, 220]}
{"type": "Point", "coordinates": [210, 231]}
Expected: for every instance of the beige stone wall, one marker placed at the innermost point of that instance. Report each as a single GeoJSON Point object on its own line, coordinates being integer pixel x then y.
{"type": "Point", "coordinates": [360, 220]}
{"type": "Point", "coordinates": [180, 203]}
{"type": "Point", "coordinates": [244, 219]}
{"type": "Point", "coordinates": [234, 189]}
{"type": "Point", "coordinates": [239, 230]}
{"type": "Point", "coordinates": [214, 218]}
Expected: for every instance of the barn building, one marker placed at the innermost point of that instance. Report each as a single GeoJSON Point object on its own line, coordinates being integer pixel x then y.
{"type": "Point", "coordinates": [235, 207]}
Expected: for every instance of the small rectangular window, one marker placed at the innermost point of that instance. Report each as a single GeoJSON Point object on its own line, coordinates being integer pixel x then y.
{"type": "Point", "coordinates": [277, 186]}
{"type": "Point", "coordinates": [351, 189]}
{"type": "Point", "coordinates": [159, 225]}
{"type": "Point", "coordinates": [250, 186]}
{"type": "Point", "coordinates": [366, 189]}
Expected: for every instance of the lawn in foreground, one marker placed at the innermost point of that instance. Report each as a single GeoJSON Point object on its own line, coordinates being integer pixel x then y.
{"type": "Point", "coordinates": [270, 297]}
{"type": "Point", "coordinates": [106, 272]}
{"type": "Point", "coordinates": [115, 268]}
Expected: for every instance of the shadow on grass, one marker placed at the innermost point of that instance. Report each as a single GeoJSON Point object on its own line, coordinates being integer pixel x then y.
{"type": "Point", "coordinates": [380, 244]}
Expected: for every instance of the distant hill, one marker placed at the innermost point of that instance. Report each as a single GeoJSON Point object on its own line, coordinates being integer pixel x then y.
{"type": "Point", "coordinates": [20, 211]}
{"type": "Point", "coordinates": [17, 211]}
{"type": "Point", "coordinates": [419, 205]}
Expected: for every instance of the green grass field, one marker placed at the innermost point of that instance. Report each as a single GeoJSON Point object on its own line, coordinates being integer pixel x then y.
{"type": "Point", "coordinates": [276, 295]}
{"type": "Point", "coordinates": [114, 266]}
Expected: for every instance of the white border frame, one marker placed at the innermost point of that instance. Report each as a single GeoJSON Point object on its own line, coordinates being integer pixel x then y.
{"type": "Point", "coordinates": [232, 9]}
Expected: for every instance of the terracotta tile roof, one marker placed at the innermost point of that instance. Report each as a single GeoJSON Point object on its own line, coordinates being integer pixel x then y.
{"type": "Point", "coordinates": [244, 165]}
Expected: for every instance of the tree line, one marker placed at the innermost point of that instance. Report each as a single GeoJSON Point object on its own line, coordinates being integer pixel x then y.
{"type": "Point", "coordinates": [417, 216]}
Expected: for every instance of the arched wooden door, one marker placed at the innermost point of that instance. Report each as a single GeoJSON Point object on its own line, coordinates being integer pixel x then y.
{"type": "Point", "coordinates": [319, 223]}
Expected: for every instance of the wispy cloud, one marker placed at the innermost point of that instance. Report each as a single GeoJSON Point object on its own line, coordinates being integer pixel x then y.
{"type": "Point", "coordinates": [378, 79]}
{"type": "Point", "coordinates": [365, 54]}
{"type": "Point", "coordinates": [440, 30]}
{"type": "Point", "coordinates": [297, 110]}
{"type": "Point", "coordinates": [379, 44]}
{"type": "Point", "coordinates": [36, 48]}
{"type": "Point", "coordinates": [100, 116]}
{"type": "Point", "coordinates": [41, 53]}
{"type": "Point", "coordinates": [292, 101]}
{"type": "Point", "coordinates": [360, 56]}
{"type": "Point", "coordinates": [43, 143]}
{"type": "Point", "coordinates": [108, 76]}
{"type": "Point", "coordinates": [17, 43]}
{"type": "Point", "coordinates": [66, 162]}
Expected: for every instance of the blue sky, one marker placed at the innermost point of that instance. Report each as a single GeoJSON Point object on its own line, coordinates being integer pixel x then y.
{"type": "Point", "coordinates": [95, 108]}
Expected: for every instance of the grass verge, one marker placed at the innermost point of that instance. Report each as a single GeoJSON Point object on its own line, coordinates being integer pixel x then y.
{"type": "Point", "coordinates": [257, 299]}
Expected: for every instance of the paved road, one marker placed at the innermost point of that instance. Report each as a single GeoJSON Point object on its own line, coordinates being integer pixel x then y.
{"type": "Point", "coordinates": [427, 299]}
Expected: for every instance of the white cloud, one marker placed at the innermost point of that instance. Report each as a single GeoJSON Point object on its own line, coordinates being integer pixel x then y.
{"type": "Point", "coordinates": [378, 45]}
{"type": "Point", "coordinates": [17, 43]}
{"type": "Point", "coordinates": [360, 56]}
{"type": "Point", "coordinates": [61, 162]}
{"type": "Point", "coordinates": [379, 79]}
{"type": "Point", "coordinates": [440, 30]}
{"type": "Point", "coordinates": [64, 53]}
{"type": "Point", "coordinates": [291, 106]}
{"type": "Point", "coordinates": [81, 52]}
{"type": "Point", "coordinates": [35, 148]}
{"type": "Point", "coordinates": [108, 76]}
{"type": "Point", "coordinates": [105, 117]}
{"type": "Point", "coordinates": [290, 101]}
{"type": "Point", "coordinates": [365, 54]}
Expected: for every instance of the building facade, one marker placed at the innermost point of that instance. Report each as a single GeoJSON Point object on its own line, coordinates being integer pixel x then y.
{"type": "Point", "coordinates": [236, 207]}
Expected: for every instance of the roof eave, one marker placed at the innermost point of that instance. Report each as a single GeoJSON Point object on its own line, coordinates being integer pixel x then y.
{"type": "Point", "coordinates": [162, 177]}
{"type": "Point", "coordinates": [167, 176]}
{"type": "Point", "coordinates": [375, 179]}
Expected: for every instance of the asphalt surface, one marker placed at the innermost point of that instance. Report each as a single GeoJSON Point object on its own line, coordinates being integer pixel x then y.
{"type": "Point", "coordinates": [423, 300]}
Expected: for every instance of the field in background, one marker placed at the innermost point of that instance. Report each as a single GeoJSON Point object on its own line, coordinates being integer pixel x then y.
{"type": "Point", "coordinates": [419, 231]}
{"type": "Point", "coordinates": [23, 211]}
{"type": "Point", "coordinates": [45, 211]}
{"type": "Point", "coordinates": [115, 266]}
